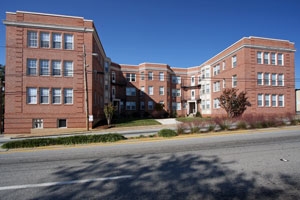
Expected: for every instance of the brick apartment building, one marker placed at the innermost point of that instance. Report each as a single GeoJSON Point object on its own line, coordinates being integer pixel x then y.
{"type": "Point", "coordinates": [45, 89]}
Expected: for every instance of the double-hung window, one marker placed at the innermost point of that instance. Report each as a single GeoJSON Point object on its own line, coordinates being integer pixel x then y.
{"type": "Point", "coordinates": [130, 77]}
{"type": "Point", "coordinates": [32, 67]}
{"type": "Point", "coordinates": [161, 76]}
{"type": "Point", "coordinates": [279, 59]}
{"type": "Point", "coordinates": [56, 95]}
{"type": "Point", "coordinates": [130, 91]}
{"type": "Point", "coordinates": [266, 58]}
{"type": "Point", "coordinates": [273, 58]}
{"type": "Point", "coordinates": [267, 100]}
{"type": "Point", "coordinates": [45, 40]}
{"type": "Point", "coordinates": [68, 40]}
{"type": "Point", "coordinates": [267, 79]}
{"type": "Point", "coordinates": [234, 80]}
{"type": "Point", "coordinates": [150, 105]}
{"type": "Point", "coordinates": [274, 79]}
{"type": "Point", "coordinates": [44, 67]}
{"type": "Point", "coordinates": [44, 95]}
{"type": "Point", "coordinates": [259, 57]}
{"type": "Point", "coordinates": [56, 68]}
{"type": "Point", "coordinates": [68, 68]}
{"type": "Point", "coordinates": [68, 96]}
{"type": "Point", "coordinates": [150, 90]}
{"type": "Point", "coordinates": [32, 39]}
{"type": "Point", "coordinates": [150, 76]}
{"type": "Point", "coordinates": [233, 59]}
{"type": "Point", "coordinates": [31, 95]}
{"type": "Point", "coordinates": [56, 40]}
{"type": "Point", "coordinates": [280, 80]}
{"type": "Point", "coordinates": [260, 100]}
{"type": "Point", "coordinates": [281, 100]}
{"type": "Point", "coordinates": [274, 100]}
{"type": "Point", "coordinates": [161, 90]}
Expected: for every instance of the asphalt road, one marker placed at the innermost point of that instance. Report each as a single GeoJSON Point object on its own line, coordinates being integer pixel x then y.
{"type": "Point", "coordinates": [243, 166]}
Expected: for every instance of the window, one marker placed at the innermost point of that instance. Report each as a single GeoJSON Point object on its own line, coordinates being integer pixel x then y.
{"type": "Point", "coordinates": [216, 103]}
{"type": "Point", "coordinates": [193, 80]}
{"type": "Point", "coordinates": [281, 100]}
{"type": "Point", "coordinates": [142, 76]}
{"type": "Point", "coordinates": [259, 78]}
{"type": "Point", "coordinates": [192, 94]}
{"type": "Point", "coordinates": [224, 83]}
{"type": "Point", "coordinates": [130, 91]}
{"type": "Point", "coordinates": [32, 39]}
{"type": "Point", "coordinates": [68, 96]}
{"type": "Point", "coordinates": [62, 123]}
{"type": "Point", "coordinates": [199, 79]}
{"type": "Point", "coordinates": [207, 88]}
{"type": "Point", "coordinates": [150, 105]}
{"type": "Point", "coordinates": [207, 73]}
{"type": "Point", "coordinates": [161, 76]}
{"type": "Point", "coordinates": [150, 90]}
{"type": "Point", "coordinates": [130, 77]}
{"type": "Point", "coordinates": [142, 105]}
{"type": "Point", "coordinates": [56, 68]}
{"type": "Point", "coordinates": [142, 90]}
{"type": "Point", "coordinates": [216, 70]}
{"type": "Point", "coordinates": [37, 123]}
{"type": "Point", "coordinates": [150, 76]}
{"type": "Point", "coordinates": [273, 58]}
{"type": "Point", "coordinates": [207, 104]}
{"type": "Point", "coordinates": [68, 68]}
{"type": "Point", "coordinates": [203, 102]}
{"type": "Point", "coordinates": [224, 65]}
{"type": "Point", "coordinates": [233, 59]}
{"type": "Point", "coordinates": [68, 41]}
{"type": "Point", "coordinates": [280, 80]}
{"type": "Point", "coordinates": [266, 58]}
{"type": "Point", "coordinates": [174, 105]}
{"type": "Point", "coordinates": [45, 40]}
{"type": "Point", "coordinates": [274, 79]}
{"type": "Point", "coordinates": [216, 86]}
{"type": "Point", "coordinates": [178, 106]}
{"type": "Point", "coordinates": [234, 80]}
{"type": "Point", "coordinates": [56, 40]}
{"type": "Point", "coordinates": [173, 92]}
{"type": "Point", "coordinates": [176, 79]}
{"type": "Point", "coordinates": [267, 79]}
{"type": "Point", "coordinates": [56, 94]}
{"type": "Point", "coordinates": [178, 92]}
{"type": "Point", "coordinates": [44, 67]}
{"type": "Point", "coordinates": [274, 100]}
{"type": "Point", "coordinates": [279, 59]}
{"type": "Point", "coordinates": [31, 67]}
{"type": "Point", "coordinates": [259, 57]}
{"type": "Point", "coordinates": [31, 95]}
{"type": "Point", "coordinates": [113, 91]}
{"type": "Point", "coordinates": [259, 100]}
{"type": "Point", "coordinates": [267, 100]}
{"type": "Point", "coordinates": [44, 95]}
{"type": "Point", "coordinates": [113, 76]}
{"type": "Point", "coordinates": [130, 105]}
{"type": "Point", "coordinates": [161, 90]}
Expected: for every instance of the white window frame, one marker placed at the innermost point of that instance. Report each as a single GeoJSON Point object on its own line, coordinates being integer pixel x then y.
{"type": "Point", "coordinates": [68, 96]}
{"type": "Point", "coordinates": [56, 96]}
{"type": "Point", "coordinates": [56, 40]}
{"type": "Point", "coordinates": [260, 102]}
{"type": "Point", "coordinates": [234, 81]}
{"type": "Point", "coordinates": [150, 90]}
{"type": "Point", "coordinates": [280, 59]}
{"type": "Point", "coordinates": [150, 76]}
{"type": "Point", "coordinates": [44, 40]}
{"type": "Point", "coordinates": [274, 79]}
{"type": "Point", "coordinates": [267, 79]}
{"type": "Point", "coordinates": [32, 39]}
{"type": "Point", "coordinates": [68, 69]}
{"type": "Point", "coordinates": [266, 58]}
{"type": "Point", "coordinates": [131, 77]}
{"type": "Point", "coordinates": [234, 61]}
{"type": "Point", "coordinates": [44, 67]}
{"type": "Point", "coordinates": [68, 41]}
{"type": "Point", "coordinates": [161, 76]}
{"type": "Point", "coordinates": [267, 100]}
{"type": "Point", "coordinates": [32, 67]}
{"type": "Point", "coordinates": [281, 100]}
{"type": "Point", "coordinates": [273, 58]}
{"type": "Point", "coordinates": [56, 68]}
{"type": "Point", "coordinates": [274, 100]}
{"type": "Point", "coordinates": [31, 95]}
{"type": "Point", "coordinates": [161, 90]}
{"type": "Point", "coordinates": [37, 123]}
{"type": "Point", "coordinates": [44, 95]}
{"type": "Point", "coordinates": [280, 80]}
{"type": "Point", "coordinates": [259, 57]}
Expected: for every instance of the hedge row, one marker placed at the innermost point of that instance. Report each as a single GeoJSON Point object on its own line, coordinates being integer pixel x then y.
{"type": "Point", "coordinates": [80, 139]}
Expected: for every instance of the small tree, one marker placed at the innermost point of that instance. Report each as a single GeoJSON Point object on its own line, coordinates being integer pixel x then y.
{"type": "Point", "coordinates": [109, 110]}
{"type": "Point", "coordinates": [233, 103]}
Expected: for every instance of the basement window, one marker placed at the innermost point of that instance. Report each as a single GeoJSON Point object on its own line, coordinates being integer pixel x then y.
{"type": "Point", "coordinates": [37, 123]}
{"type": "Point", "coordinates": [62, 123]}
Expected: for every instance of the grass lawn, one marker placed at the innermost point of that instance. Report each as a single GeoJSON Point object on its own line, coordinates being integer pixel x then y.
{"type": "Point", "coordinates": [135, 122]}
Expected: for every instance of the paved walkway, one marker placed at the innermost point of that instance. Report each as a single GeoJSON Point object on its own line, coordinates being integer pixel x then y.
{"type": "Point", "coordinates": [135, 131]}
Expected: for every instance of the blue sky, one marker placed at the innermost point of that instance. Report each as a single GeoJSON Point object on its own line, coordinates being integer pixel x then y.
{"type": "Point", "coordinates": [181, 33]}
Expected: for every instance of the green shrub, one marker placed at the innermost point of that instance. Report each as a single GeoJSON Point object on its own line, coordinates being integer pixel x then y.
{"type": "Point", "coordinates": [167, 133]}
{"type": "Point", "coordinates": [79, 139]}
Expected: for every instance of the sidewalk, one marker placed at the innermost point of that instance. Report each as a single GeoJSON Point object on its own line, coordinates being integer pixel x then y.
{"type": "Point", "coordinates": [135, 131]}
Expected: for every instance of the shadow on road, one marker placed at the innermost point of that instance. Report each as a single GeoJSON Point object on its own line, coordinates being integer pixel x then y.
{"type": "Point", "coordinates": [184, 176]}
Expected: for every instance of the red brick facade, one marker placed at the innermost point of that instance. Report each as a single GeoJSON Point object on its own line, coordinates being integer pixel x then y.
{"type": "Point", "coordinates": [45, 90]}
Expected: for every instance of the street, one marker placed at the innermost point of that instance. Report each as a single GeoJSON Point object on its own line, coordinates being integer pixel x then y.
{"type": "Point", "coordinates": [262, 165]}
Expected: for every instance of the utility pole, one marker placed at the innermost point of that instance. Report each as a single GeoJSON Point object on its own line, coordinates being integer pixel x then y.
{"type": "Point", "coordinates": [86, 90]}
